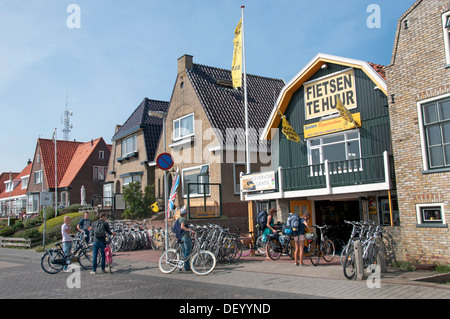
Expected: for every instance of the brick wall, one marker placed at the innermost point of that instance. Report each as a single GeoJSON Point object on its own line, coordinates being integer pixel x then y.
{"type": "Point", "coordinates": [417, 72]}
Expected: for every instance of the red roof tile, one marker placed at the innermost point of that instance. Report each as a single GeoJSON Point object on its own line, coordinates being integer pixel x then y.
{"type": "Point", "coordinates": [18, 191]}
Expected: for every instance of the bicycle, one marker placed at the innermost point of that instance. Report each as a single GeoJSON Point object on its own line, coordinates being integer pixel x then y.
{"type": "Point", "coordinates": [108, 256]}
{"type": "Point", "coordinates": [279, 244]}
{"type": "Point", "coordinates": [357, 229]}
{"type": "Point", "coordinates": [250, 246]}
{"type": "Point", "coordinates": [54, 259]}
{"type": "Point", "coordinates": [321, 247]}
{"type": "Point", "coordinates": [202, 262]}
{"type": "Point", "coordinates": [369, 250]}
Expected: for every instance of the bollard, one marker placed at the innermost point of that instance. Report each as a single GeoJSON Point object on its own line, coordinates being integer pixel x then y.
{"type": "Point", "coordinates": [359, 264]}
{"type": "Point", "coordinates": [381, 255]}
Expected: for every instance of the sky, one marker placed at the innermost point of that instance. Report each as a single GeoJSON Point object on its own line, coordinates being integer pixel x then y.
{"type": "Point", "coordinates": [103, 57]}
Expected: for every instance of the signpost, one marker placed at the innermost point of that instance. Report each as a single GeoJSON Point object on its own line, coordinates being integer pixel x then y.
{"type": "Point", "coordinates": [164, 161]}
{"type": "Point", "coordinates": [46, 201]}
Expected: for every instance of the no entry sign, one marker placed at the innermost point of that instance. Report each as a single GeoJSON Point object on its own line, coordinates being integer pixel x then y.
{"type": "Point", "coordinates": [164, 161]}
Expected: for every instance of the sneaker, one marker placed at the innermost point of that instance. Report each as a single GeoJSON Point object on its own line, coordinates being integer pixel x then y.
{"type": "Point", "coordinates": [92, 272]}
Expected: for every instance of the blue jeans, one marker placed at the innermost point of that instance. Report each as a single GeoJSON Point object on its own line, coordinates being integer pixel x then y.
{"type": "Point", "coordinates": [98, 245]}
{"type": "Point", "coordinates": [67, 249]}
{"type": "Point", "coordinates": [186, 247]}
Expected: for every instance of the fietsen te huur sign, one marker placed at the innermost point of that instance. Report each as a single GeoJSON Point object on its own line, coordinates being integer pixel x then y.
{"type": "Point", "coordinates": [321, 94]}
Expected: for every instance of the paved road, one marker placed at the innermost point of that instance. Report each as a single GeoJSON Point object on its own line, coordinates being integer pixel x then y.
{"type": "Point", "coordinates": [22, 277]}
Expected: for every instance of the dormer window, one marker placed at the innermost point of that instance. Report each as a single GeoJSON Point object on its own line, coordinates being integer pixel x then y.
{"type": "Point", "coordinates": [183, 127]}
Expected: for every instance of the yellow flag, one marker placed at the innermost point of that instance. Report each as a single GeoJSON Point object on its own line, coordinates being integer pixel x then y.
{"type": "Point", "coordinates": [344, 113]}
{"type": "Point", "coordinates": [236, 67]}
{"type": "Point", "coordinates": [288, 130]}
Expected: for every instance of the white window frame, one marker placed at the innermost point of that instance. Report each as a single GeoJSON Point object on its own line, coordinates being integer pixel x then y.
{"type": "Point", "coordinates": [124, 150]}
{"type": "Point", "coordinates": [179, 136]}
{"type": "Point", "coordinates": [423, 141]}
{"type": "Point", "coordinates": [38, 177]}
{"type": "Point", "coordinates": [101, 154]}
{"type": "Point", "coordinates": [236, 179]}
{"type": "Point", "coordinates": [446, 33]}
{"type": "Point", "coordinates": [183, 171]}
{"type": "Point", "coordinates": [322, 160]}
{"type": "Point", "coordinates": [420, 222]}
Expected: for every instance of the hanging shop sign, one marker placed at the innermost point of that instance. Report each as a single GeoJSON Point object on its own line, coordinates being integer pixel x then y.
{"type": "Point", "coordinates": [321, 95]}
{"type": "Point", "coordinates": [331, 126]}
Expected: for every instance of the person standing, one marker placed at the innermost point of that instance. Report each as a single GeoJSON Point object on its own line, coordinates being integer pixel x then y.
{"type": "Point", "coordinates": [186, 244]}
{"type": "Point", "coordinates": [66, 239]}
{"type": "Point", "coordinates": [299, 239]}
{"type": "Point", "coordinates": [99, 230]}
{"type": "Point", "coordinates": [84, 226]}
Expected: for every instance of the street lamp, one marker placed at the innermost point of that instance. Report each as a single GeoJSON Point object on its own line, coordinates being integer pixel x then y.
{"type": "Point", "coordinates": [162, 115]}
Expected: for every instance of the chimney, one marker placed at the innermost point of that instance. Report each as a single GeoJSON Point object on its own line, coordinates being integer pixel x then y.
{"type": "Point", "coordinates": [185, 62]}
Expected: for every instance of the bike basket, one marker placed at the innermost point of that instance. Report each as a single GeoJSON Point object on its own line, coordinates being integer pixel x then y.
{"type": "Point", "coordinates": [310, 236]}
{"type": "Point", "coordinates": [246, 238]}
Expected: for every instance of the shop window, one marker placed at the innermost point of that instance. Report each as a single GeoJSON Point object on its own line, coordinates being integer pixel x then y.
{"type": "Point", "coordinates": [197, 174]}
{"type": "Point", "coordinates": [341, 150]}
{"type": "Point", "coordinates": [183, 127]}
{"type": "Point", "coordinates": [430, 215]}
{"type": "Point", "coordinates": [435, 129]}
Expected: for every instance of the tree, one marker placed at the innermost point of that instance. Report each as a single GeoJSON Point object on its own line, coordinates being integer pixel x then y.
{"type": "Point", "coordinates": [138, 202]}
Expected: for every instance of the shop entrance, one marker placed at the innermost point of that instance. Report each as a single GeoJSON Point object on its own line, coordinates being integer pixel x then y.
{"type": "Point", "coordinates": [333, 213]}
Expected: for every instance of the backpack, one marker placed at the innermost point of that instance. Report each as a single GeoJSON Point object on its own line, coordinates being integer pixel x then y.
{"type": "Point", "coordinates": [99, 229]}
{"type": "Point", "coordinates": [177, 229]}
{"type": "Point", "coordinates": [261, 219]}
{"type": "Point", "coordinates": [293, 222]}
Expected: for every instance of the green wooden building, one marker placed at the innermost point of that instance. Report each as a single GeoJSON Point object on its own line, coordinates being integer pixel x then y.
{"type": "Point", "coordinates": [341, 168]}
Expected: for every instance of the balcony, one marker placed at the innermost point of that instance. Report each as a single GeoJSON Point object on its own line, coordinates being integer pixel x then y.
{"type": "Point", "coordinates": [372, 173]}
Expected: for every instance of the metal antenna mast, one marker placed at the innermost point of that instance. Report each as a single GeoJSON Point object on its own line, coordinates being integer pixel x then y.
{"type": "Point", "coordinates": [66, 122]}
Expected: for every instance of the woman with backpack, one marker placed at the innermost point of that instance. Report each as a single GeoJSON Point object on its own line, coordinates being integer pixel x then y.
{"type": "Point", "coordinates": [269, 228]}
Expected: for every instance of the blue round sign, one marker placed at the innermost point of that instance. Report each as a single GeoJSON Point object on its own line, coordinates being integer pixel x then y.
{"type": "Point", "coordinates": [164, 161]}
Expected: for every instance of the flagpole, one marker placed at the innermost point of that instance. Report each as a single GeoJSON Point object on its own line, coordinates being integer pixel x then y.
{"type": "Point", "coordinates": [56, 178]}
{"type": "Point", "coordinates": [247, 146]}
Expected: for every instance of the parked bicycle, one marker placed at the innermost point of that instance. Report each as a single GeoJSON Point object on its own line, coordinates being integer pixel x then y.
{"type": "Point", "coordinates": [368, 247]}
{"type": "Point", "coordinates": [321, 247]}
{"type": "Point", "coordinates": [54, 259]}
{"type": "Point", "coordinates": [279, 243]}
{"type": "Point", "coordinates": [250, 246]}
{"type": "Point", "coordinates": [202, 262]}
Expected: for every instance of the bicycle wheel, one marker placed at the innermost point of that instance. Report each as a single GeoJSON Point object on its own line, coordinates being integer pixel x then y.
{"type": "Point", "coordinates": [85, 257]}
{"type": "Point", "coordinates": [274, 249]}
{"type": "Point", "coordinates": [344, 253]}
{"type": "Point", "coordinates": [314, 252]}
{"type": "Point", "coordinates": [48, 262]}
{"type": "Point", "coordinates": [246, 249]}
{"type": "Point", "coordinates": [291, 249]}
{"type": "Point", "coordinates": [328, 250]}
{"type": "Point", "coordinates": [260, 245]}
{"type": "Point", "coordinates": [349, 265]}
{"type": "Point", "coordinates": [203, 262]}
{"type": "Point", "coordinates": [168, 261]}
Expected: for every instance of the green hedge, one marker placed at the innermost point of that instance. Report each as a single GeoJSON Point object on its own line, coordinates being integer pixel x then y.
{"type": "Point", "coordinates": [57, 221]}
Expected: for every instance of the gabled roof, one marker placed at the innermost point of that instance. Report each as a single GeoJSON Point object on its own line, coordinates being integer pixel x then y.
{"type": "Point", "coordinates": [151, 126]}
{"type": "Point", "coordinates": [224, 105]}
{"type": "Point", "coordinates": [5, 177]}
{"type": "Point", "coordinates": [79, 158]}
{"type": "Point", "coordinates": [374, 71]}
{"type": "Point", "coordinates": [17, 191]}
{"type": "Point", "coordinates": [65, 151]}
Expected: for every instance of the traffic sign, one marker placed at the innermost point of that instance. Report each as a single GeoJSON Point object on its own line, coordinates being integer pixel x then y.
{"type": "Point", "coordinates": [164, 161]}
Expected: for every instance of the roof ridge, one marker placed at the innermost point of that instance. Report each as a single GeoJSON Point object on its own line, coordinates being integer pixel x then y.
{"type": "Point", "coordinates": [229, 70]}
